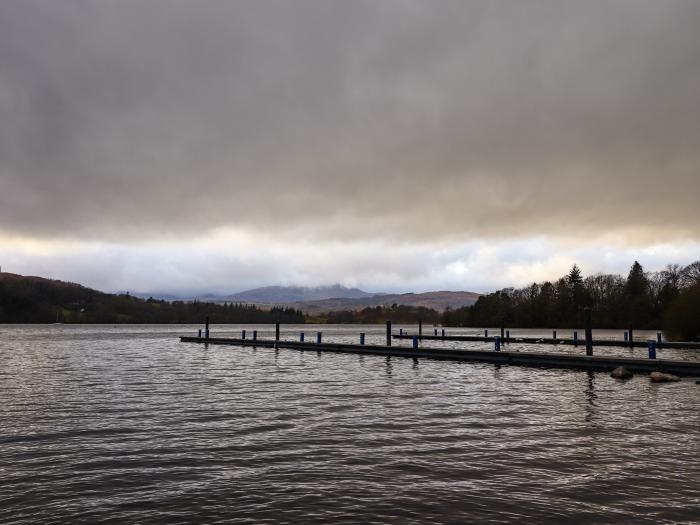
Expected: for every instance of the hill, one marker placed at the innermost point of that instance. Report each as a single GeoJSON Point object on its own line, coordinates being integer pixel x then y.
{"type": "Point", "coordinates": [339, 298]}
{"type": "Point", "coordinates": [39, 300]}
{"type": "Point", "coordinates": [439, 301]}
{"type": "Point", "coordinates": [290, 294]}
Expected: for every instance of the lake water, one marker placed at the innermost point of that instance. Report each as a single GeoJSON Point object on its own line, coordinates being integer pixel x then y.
{"type": "Point", "coordinates": [102, 424]}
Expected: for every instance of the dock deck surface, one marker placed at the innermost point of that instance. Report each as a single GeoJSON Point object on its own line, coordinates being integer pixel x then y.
{"type": "Point", "coordinates": [685, 345]}
{"type": "Point", "coordinates": [532, 359]}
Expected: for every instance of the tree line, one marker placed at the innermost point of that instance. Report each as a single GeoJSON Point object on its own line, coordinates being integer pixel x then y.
{"type": "Point", "coordinates": [668, 299]}
{"type": "Point", "coordinates": [381, 314]}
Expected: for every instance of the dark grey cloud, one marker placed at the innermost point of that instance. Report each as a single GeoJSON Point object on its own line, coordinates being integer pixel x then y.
{"type": "Point", "coordinates": [134, 119]}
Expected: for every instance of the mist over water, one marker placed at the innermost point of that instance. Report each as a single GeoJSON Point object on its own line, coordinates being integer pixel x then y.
{"type": "Point", "coordinates": [103, 424]}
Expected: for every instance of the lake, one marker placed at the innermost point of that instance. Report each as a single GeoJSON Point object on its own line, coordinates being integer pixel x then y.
{"type": "Point", "coordinates": [125, 424]}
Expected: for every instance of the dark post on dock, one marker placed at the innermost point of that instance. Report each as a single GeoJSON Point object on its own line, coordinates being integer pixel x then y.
{"type": "Point", "coordinates": [206, 327]}
{"type": "Point", "coordinates": [388, 333]}
{"type": "Point", "coordinates": [589, 330]}
{"type": "Point", "coordinates": [631, 337]}
{"type": "Point", "coordinates": [420, 328]}
{"type": "Point", "coordinates": [277, 331]}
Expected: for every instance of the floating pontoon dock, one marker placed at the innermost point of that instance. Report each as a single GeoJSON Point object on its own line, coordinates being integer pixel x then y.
{"type": "Point", "coordinates": [532, 359]}
{"type": "Point", "coordinates": [551, 341]}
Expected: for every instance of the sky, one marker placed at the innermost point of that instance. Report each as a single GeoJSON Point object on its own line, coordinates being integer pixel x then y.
{"type": "Point", "coordinates": [212, 146]}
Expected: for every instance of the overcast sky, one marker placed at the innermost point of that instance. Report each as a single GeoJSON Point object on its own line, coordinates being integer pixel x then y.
{"type": "Point", "coordinates": [165, 145]}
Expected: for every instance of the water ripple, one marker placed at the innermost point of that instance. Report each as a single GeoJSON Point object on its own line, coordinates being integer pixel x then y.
{"type": "Point", "coordinates": [126, 424]}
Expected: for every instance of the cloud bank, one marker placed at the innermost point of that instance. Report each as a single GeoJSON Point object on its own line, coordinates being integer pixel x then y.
{"type": "Point", "coordinates": [126, 120]}
{"type": "Point", "coordinates": [395, 145]}
{"type": "Point", "coordinates": [212, 265]}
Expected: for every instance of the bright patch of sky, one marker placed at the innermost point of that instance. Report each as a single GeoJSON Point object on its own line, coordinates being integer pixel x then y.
{"type": "Point", "coordinates": [241, 262]}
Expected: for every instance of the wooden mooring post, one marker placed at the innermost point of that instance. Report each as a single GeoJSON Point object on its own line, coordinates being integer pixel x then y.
{"type": "Point", "coordinates": [589, 330]}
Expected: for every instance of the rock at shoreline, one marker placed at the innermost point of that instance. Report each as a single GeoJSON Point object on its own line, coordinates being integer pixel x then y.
{"type": "Point", "coordinates": [621, 373]}
{"type": "Point", "coordinates": [660, 377]}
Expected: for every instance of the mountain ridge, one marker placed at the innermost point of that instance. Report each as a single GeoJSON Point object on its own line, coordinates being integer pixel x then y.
{"type": "Point", "coordinates": [312, 300]}
{"type": "Point", "coordinates": [290, 294]}
{"type": "Point", "coordinates": [333, 298]}
{"type": "Point", "coordinates": [438, 300]}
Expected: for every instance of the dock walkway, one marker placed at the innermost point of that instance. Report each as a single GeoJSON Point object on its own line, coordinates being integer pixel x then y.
{"type": "Point", "coordinates": [531, 359]}
{"type": "Point", "coordinates": [550, 341]}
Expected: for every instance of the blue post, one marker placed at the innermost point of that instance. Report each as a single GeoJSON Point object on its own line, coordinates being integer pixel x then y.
{"type": "Point", "coordinates": [497, 343]}
{"type": "Point", "coordinates": [658, 337]}
{"type": "Point", "coordinates": [200, 333]}
{"type": "Point", "coordinates": [507, 336]}
{"type": "Point", "coordinates": [318, 338]}
{"type": "Point", "coordinates": [415, 342]}
{"type": "Point", "coordinates": [651, 344]}
{"type": "Point", "coordinates": [255, 335]}
{"type": "Point", "coordinates": [627, 337]}
{"type": "Point", "coordinates": [301, 337]}
{"type": "Point", "coordinates": [554, 334]}
{"type": "Point", "coordinates": [362, 339]}
{"type": "Point", "coordinates": [575, 338]}
{"type": "Point", "coordinates": [242, 334]}
{"type": "Point", "coordinates": [486, 333]}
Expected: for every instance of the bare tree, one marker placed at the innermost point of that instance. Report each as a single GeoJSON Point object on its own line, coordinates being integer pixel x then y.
{"type": "Point", "coordinates": [657, 282]}
{"type": "Point", "coordinates": [690, 275]}
{"type": "Point", "coordinates": [672, 275]}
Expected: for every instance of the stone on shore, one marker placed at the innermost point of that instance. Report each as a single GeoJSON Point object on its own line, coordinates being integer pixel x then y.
{"type": "Point", "coordinates": [621, 373]}
{"type": "Point", "coordinates": [660, 377]}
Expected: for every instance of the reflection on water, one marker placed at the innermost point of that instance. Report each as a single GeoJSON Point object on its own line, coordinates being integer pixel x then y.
{"type": "Point", "coordinates": [590, 396]}
{"type": "Point", "coordinates": [126, 424]}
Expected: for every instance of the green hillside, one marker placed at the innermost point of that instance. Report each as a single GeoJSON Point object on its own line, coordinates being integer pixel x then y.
{"type": "Point", "coordinates": [39, 300]}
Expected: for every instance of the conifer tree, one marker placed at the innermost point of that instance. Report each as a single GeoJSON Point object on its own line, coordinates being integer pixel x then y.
{"type": "Point", "coordinates": [639, 303]}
